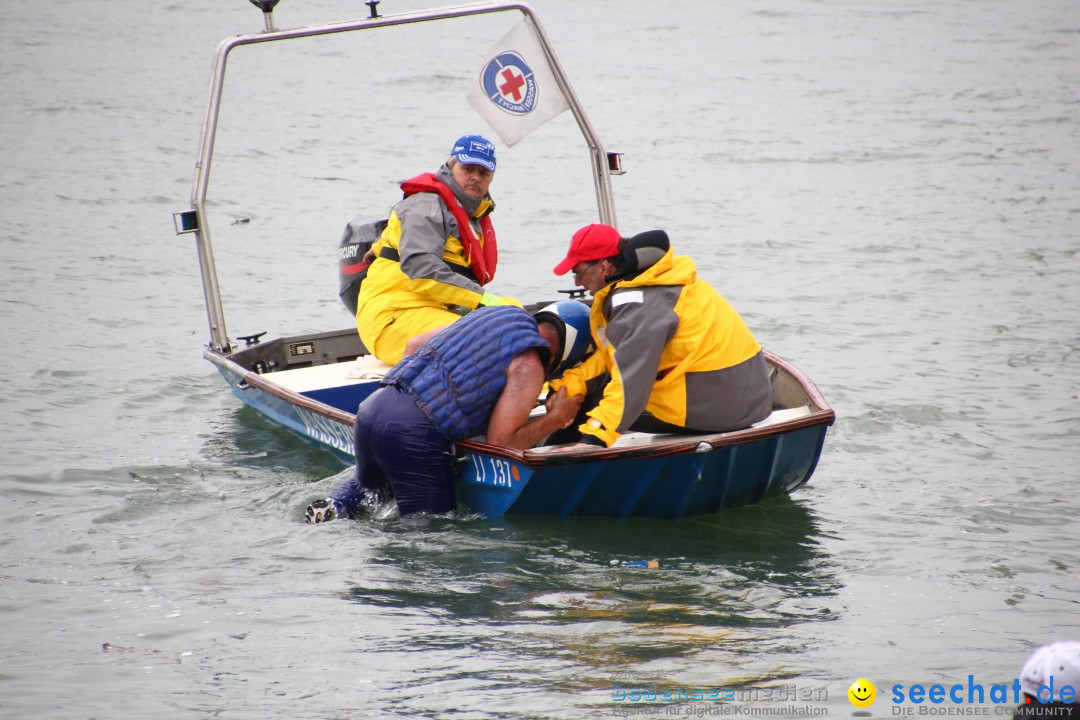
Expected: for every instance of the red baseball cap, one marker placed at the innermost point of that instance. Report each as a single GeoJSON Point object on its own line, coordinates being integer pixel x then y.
{"type": "Point", "coordinates": [592, 242]}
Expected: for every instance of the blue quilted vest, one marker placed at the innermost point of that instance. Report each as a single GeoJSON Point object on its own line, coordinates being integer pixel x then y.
{"type": "Point", "coordinates": [457, 376]}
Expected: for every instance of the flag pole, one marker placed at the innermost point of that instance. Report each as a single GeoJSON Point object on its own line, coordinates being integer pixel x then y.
{"type": "Point", "coordinates": [601, 171]}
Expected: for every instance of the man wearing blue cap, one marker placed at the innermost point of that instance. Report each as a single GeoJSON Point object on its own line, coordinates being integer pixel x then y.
{"type": "Point", "coordinates": [435, 256]}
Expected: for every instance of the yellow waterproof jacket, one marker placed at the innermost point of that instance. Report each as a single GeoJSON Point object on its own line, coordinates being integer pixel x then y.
{"type": "Point", "coordinates": [431, 269]}
{"type": "Point", "coordinates": [673, 347]}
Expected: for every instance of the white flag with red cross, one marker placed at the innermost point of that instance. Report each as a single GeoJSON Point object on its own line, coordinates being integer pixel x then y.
{"type": "Point", "coordinates": [516, 91]}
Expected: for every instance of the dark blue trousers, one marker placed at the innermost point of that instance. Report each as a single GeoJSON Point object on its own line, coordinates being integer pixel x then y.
{"type": "Point", "coordinates": [399, 452]}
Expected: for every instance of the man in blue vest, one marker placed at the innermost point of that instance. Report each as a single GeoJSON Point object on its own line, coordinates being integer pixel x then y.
{"type": "Point", "coordinates": [481, 375]}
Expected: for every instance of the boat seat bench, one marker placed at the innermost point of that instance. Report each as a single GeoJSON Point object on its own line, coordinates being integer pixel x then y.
{"type": "Point", "coordinates": [343, 385]}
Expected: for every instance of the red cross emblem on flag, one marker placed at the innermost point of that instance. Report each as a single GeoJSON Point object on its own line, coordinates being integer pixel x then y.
{"type": "Point", "coordinates": [511, 82]}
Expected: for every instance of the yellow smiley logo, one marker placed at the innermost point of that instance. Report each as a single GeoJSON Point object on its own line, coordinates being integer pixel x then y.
{"type": "Point", "coordinates": [862, 693]}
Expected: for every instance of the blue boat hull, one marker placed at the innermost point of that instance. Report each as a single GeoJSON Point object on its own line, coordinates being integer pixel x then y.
{"type": "Point", "coordinates": [670, 486]}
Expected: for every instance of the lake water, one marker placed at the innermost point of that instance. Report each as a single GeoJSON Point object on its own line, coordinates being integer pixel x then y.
{"type": "Point", "coordinates": [888, 191]}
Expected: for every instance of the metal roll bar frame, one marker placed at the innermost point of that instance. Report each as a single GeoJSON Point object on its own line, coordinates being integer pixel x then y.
{"type": "Point", "coordinates": [195, 220]}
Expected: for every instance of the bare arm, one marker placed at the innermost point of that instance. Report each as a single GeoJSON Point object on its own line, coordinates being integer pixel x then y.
{"type": "Point", "coordinates": [510, 425]}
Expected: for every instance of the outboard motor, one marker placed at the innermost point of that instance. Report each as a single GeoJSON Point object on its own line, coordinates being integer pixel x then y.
{"type": "Point", "coordinates": [355, 256]}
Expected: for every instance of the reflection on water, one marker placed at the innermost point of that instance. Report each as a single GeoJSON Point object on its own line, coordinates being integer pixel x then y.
{"type": "Point", "coordinates": [546, 590]}
{"type": "Point", "coordinates": [245, 438]}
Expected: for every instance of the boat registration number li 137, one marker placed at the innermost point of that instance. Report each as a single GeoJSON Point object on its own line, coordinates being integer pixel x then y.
{"type": "Point", "coordinates": [494, 472]}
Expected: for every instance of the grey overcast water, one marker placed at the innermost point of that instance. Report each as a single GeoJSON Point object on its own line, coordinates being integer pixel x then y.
{"type": "Point", "coordinates": [888, 190]}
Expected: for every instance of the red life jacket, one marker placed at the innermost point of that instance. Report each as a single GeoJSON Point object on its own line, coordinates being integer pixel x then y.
{"type": "Point", "coordinates": [482, 256]}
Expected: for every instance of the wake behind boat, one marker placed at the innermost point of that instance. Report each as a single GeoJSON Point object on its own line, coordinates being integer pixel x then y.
{"type": "Point", "coordinates": [313, 383]}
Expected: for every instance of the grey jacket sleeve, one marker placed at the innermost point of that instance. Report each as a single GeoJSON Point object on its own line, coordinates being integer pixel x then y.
{"type": "Point", "coordinates": [641, 321]}
{"type": "Point", "coordinates": [425, 225]}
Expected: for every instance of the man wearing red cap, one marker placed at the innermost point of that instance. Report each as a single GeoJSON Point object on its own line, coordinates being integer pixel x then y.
{"type": "Point", "coordinates": [675, 355]}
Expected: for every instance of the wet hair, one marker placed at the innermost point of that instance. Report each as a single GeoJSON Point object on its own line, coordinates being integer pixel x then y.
{"type": "Point", "coordinates": [547, 356]}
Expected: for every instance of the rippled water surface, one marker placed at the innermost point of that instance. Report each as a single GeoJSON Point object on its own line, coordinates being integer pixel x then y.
{"type": "Point", "coordinates": [888, 191]}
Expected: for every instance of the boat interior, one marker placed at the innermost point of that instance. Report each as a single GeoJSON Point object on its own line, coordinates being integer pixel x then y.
{"type": "Point", "coordinates": [335, 369]}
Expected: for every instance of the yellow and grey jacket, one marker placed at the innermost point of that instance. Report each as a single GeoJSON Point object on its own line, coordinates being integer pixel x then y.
{"type": "Point", "coordinates": [420, 261]}
{"type": "Point", "coordinates": [674, 347]}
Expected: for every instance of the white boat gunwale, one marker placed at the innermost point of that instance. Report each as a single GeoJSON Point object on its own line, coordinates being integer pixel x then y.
{"type": "Point", "coordinates": [292, 391]}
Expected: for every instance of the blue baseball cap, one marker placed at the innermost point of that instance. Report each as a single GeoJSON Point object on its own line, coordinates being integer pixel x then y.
{"type": "Point", "coordinates": [475, 150]}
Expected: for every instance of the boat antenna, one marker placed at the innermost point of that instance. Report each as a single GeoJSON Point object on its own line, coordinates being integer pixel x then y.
{"type": "Point", "coordinates": [371, 5]}
{"type": "Point", "coordinates": [267, 6]}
